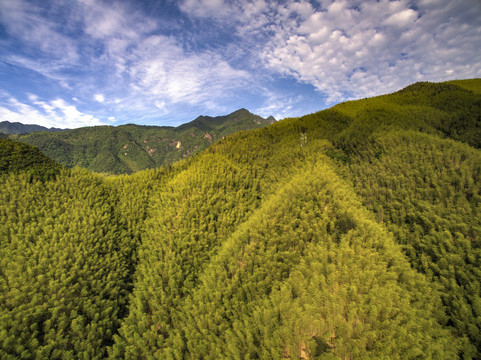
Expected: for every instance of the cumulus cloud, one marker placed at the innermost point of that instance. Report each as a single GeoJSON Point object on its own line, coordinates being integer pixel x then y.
{"type": "Point", "coordinates": [352, 48]}
{"type": "Point", "coordinates": [99, 98]}
{"type": "Point", "coordinates": [278, 106]}
{"type": "Point", "coordinates": [402, 19]}
{"type": "Point", "coordinates": [55, 113]}
{"type": "Point", "coordinates": [363, 49]}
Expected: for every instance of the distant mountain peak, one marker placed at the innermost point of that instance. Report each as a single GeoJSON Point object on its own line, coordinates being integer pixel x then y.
{"type": "Point", "coordinates": [129, 148]}
{"type": "Point", "coordinates": [16, 128]}
{"type": "Point", "coordinates": [241, 111]}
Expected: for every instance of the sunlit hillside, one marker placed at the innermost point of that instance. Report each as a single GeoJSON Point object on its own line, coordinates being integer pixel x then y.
{"type": "Point", "coordinates": [351, 233]}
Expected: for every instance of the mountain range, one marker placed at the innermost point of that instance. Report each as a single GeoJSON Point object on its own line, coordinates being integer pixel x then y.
{"type": "Point", "coordinates": [130, 148]}
{"type": "Point", "coordinates": [16, 128]}
{"type": "Point", "coordinates": [350, 233]}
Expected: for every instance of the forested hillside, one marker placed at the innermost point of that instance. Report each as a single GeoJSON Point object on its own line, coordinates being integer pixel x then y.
{"type": "Point", "coordinates": [128, 148]}
{"type": "Point", "coordinates": [17, 158]}
{"type": "Point", "coordinates": [351, 233]}
{"type": "Point", "coordinates": [7, 127]}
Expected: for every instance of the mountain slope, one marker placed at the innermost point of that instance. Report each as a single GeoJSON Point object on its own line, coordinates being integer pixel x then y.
{"type": "Point", "coordinates": [16, 158]}
{"type": "Point", "coordinates": [353, 232]}
{"type": "Point", "coordinates": [444, 109]}
{"type": "Point", "coordinates": [16, 128]}
{"type": "Point", "coordinates": [302, 271]}
{"type": "Point", "coordinates": [428, 193]}
{"type": "Point", "coordinates": [220, 310]}
{"type": "Point", "coordinates": [130, 148]}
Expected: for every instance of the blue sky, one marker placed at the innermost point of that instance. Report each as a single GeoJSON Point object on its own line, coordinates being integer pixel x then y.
{"type": "Point", "coordinates": [73, 63]}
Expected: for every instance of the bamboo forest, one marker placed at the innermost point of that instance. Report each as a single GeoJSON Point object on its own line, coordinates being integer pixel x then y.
{"type": "Point", "coordinates": [350, 233]}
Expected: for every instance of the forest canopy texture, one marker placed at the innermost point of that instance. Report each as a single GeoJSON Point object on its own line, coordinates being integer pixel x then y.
{"type": "Point", "coordinates": [351, 233]}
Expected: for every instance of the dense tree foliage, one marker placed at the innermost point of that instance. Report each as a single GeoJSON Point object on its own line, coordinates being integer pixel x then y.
{"type": "Point", "coordinates": [64, 274]}
{"type": "Point", "coordinates": [351, 233]}
{"type": "Point", "coordinates": [428, 192]}
{"type": "Point", "coordinates": [17, 157]}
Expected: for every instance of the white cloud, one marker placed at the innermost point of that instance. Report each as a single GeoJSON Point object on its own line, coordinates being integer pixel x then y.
{"type": "Point", "coordinates": [206, 8]}
{"type": "Point", "coordinates": [163, 71]}
{"type": "Point", "coordinates": [160, 104]}
{"type": "Point", "coordinates": [277, 106]}
{"type": "Point", "coordinates": [35, 32]}
{"type": "Point", "coordinates": [402, 19]}
{"type": "Point", "coordinates": [374, 47]}
{"type": "Point", "coordinates": [99, 98]}
{"type": "Point", "coordinates": [114, 20]}
{"type": "Point", "coordinates": [354, 48]}
{"type": "Point", "coordinates": [55, 113]}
